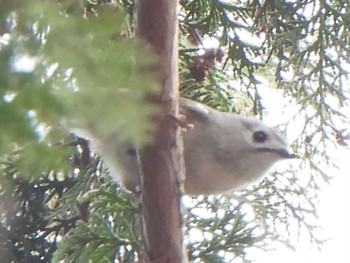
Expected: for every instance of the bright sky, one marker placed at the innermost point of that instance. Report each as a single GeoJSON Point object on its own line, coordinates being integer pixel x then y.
{"type": "Point", "coordinates": [334, 210]}
{"type": "Point", "coordinates": [334, 217]}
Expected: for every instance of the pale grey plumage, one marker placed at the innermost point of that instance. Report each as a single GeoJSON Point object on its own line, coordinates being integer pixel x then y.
{"type": "Point", "coordinates": [223, 151]}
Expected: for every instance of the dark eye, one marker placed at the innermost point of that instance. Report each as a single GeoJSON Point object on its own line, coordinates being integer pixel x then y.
{"type": "Point", "coordinates": [131, 152]}
{"type": "Point", "coordinates": [260, 136]}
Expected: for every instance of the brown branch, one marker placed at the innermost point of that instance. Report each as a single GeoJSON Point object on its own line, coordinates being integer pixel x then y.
{"type": "Point", "coordinates": [162, 160]}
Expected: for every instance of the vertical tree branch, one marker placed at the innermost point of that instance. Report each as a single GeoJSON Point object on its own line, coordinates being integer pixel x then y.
{"type": "Point", "coordinates": [161, 161]}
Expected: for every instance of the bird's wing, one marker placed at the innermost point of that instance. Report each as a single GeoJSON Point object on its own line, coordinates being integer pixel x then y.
{"type": "Point", "coordinates": [194, 111]}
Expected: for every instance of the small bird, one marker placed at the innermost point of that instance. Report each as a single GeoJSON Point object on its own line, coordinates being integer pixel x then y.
{"type": "Point", "coordinates": [224, 151]}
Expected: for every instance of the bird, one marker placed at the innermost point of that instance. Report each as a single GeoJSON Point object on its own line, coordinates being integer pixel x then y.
{"type": "Point", "coordinates": [223, 151]}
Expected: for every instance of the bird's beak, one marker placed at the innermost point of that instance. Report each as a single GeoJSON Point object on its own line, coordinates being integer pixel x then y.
{"type": "Point", "coordinates": [289, 155]}
{"type": "Point", "coordinates": [284, 153]}
{"type": "Point", "coordinates": [293, 156]}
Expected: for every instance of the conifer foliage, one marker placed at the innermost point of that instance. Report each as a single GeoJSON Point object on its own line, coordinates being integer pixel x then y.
{"type": "Point", "coordinates": [73, 61]}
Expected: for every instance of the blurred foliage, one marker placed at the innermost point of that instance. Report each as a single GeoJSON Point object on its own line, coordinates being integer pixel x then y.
{"type": "Point", "coordinates": [58, 68]}
{"type": "Point", "coordinates": [68, 70]}
{"type": "Point", "coordinates": [95, 218]}
{"type": "Point", "coordinates": [58, 204]}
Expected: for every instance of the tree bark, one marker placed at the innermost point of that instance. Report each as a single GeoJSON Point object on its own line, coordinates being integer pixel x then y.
{"type": "Point", "coordinates": [162, 164]}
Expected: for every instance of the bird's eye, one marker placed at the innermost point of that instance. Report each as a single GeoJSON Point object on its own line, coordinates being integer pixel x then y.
{"type": "Point", "coordinates": [131, 152]}
{"type": "Point", "coordinates": [260, 136]}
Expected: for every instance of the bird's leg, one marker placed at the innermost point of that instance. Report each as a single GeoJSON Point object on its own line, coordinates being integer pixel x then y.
{"type": "Point", "coordinates": [181, 120]}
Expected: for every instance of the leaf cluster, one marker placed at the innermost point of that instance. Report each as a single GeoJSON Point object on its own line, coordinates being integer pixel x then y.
{"type": "Point", "coordinates": [108, 229]}
{"type": "Point", "coordinates": [73, 71]}
{"type": "Point", "coordinates": [26, 234]}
